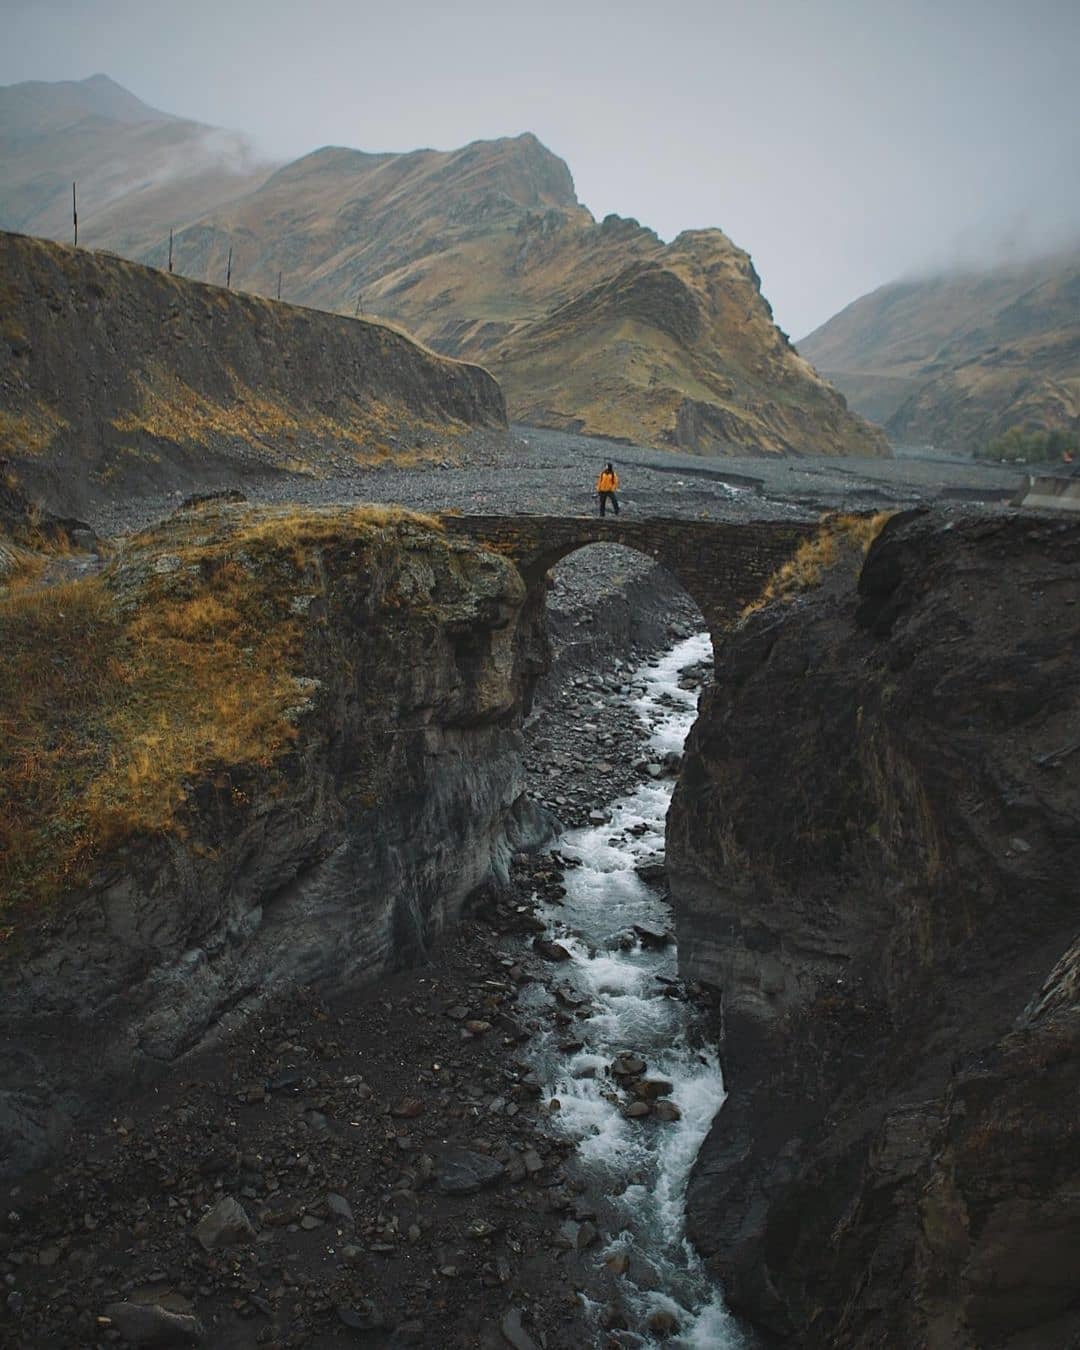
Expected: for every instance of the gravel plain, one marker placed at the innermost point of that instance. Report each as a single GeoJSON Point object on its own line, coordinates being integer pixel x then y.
{"type": "Point", "coordinates": [539, 472]}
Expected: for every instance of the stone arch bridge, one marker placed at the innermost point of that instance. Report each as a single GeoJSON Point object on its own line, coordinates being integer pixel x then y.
{"type": "Point", "coordinates": [722, 565]}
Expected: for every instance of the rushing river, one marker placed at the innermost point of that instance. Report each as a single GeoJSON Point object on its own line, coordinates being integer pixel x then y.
{"type": "Point", "coordinates": [640, 1166]}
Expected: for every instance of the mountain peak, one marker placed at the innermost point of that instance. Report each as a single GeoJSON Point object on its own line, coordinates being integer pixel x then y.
{"type": "Point", "coordinates": [521, 166]}
{"type": "Point", "coordinates": [45, 105]}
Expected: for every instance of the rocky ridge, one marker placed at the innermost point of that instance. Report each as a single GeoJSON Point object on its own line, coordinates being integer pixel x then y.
{"type": "Point", "coordinates": [118, 379]}
{"type": "Point", "coordinates": [486, 253]}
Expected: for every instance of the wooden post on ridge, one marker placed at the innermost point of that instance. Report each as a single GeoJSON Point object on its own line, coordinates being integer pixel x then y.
{"type": "Point", "coordinates": [228, 271]}
{"type": "Point", "coordinates": [279, 285]}
{"type": "Point", "coordinates": [75, 215]}
{"type": "Point", "coordinates": [170, 249]}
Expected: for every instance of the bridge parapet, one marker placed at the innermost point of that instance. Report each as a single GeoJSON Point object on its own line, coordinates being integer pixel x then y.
{"type": "Point", "coordinates": [723, 566]}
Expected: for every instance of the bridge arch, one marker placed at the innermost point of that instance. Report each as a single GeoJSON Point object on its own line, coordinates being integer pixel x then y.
{"type": "Point", "coordinates": [721, 565]}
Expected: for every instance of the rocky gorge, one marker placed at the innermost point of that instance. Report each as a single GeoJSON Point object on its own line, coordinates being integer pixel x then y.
{"type": "Point", "coordinates": [251, 1079]}
{"type": "Point", "coordinates": [329, 984]}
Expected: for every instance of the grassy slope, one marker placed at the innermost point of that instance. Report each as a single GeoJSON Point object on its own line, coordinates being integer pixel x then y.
{"type": "Point", "coordinates": [120, 377]}
{"type": "Point", "coordinates": [120, 691]}
{"type": "Point", "coordinates": [959, 359]}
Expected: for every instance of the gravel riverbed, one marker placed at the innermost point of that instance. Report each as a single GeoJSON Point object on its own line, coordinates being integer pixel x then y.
{"type": "Point", "coordinates": [547, 472]}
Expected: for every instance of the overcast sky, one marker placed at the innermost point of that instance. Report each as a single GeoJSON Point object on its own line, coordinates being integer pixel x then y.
{"type": "Point", "coordinates": [844, 143]}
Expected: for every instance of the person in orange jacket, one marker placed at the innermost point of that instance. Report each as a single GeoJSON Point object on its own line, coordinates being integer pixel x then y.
{"type": "Point", "coordinates": [606, 485]}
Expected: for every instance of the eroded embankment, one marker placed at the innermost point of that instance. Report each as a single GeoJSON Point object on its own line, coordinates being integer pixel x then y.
{"type": "Point", "coordinates": [873, 851]}
{"type": "Point", "coordinates": [118, 379]}
{"type": "Point", "coordinates": [262, 748]}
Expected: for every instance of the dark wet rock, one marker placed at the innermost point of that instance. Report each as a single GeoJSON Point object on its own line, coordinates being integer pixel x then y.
{"type": "Point", "coordinates": [652, 938]}
{"type": "Point", "coordinates": [461, 1171]}
{"type": "Point", "coordinates": [339, 1207]}
{"type": "Point", "coordinates": [513, 1333]}
{"type": "Point", "coordinates": [662, 1324]}
{"type": "Point", "coordinates": [363, 1315]}
{"type": "Point", "coordinates": [651, 1088]}
{"type": "Point", "coordinates": [148, 1324]}
{"type": "Point", "coordinates": [533, 1162]}
{"type": "Point", "coordinates": [551, 951]}
{"type": "Point", "coordinates": [227, 1223]}
{"type": "Point", "coordinates": [571, 1235]}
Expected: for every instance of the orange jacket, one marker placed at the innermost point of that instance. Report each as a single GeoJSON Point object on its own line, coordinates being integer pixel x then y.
{"type": "Point", "coordinates": [607, 482]}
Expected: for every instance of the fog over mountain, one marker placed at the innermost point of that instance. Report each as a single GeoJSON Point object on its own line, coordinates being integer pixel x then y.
{"type": "Point", "coordinates": [844, 144]}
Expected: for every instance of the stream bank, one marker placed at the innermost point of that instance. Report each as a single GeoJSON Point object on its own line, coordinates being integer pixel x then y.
{"type": "Point", "coordinates": [391, 1149]}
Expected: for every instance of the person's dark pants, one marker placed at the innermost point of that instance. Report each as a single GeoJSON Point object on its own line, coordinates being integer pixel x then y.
{"type": "Point", "coordinates": [603, 501]}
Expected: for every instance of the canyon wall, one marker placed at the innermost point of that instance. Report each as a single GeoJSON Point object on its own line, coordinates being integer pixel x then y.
{"type": "Point", "coordinates": [311, 760]}
{"type": "Point", "coordinates": [873, 852]}
{"type": "Point", "coordinates": [118, 379]}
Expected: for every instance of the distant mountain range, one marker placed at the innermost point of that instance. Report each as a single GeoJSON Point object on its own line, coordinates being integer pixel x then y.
{"type": "Point", "coordinates": [484, 252]}
{"type": "Point", "coordinates": [956, 360]}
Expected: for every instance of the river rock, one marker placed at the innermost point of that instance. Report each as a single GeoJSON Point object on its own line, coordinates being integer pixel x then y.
{"type": "Point", "coordinates": [148, 1324]}
{"type": "Point", "coordinates": [552, 951]}
{"type": "Point", "coordinates": [226, 1223]}
{"type": "Point", "coordinates": [651, 1088]}
{"type": "Point", "coordinates": [662, 1323]}
{"type": "Point", "coordinates": [339, 1207]}
{"type": "Point", "coordinates": [652, 938]}
{"type": "Point", "coordinates": [460, 1171]}
{"type": "Point", "coordinates": [514, 1334]}
{"type": "Point", "coordinates": [577, 1237]}
{"type": "Point", "coordinates": [363, 1315]}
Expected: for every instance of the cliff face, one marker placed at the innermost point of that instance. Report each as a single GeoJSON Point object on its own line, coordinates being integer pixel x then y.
{"type": "Point", "coordinates": [678, 348]}
{"type": "Point", "coordinates": [873, 852]}
{"type": "Point", "coordinates": [334, 769]}
{"type": "Point", "coordinates": [118, 378]}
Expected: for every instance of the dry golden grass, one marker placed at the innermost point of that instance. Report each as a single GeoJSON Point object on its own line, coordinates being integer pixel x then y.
{"type": "Point", "coordinates": [839, 536]}
{"type": "Point", "coordinates": [30, 432]}
{"type": "Point", "coordinates": [20, 569]}
{"type": "Point", "coordinates": [171, 410]}
{"type": "Point", "coordinates": [111, 709]}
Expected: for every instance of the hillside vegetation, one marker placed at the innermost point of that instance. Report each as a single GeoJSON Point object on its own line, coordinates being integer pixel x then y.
{"type": "Point", "coordinates": [119, 378]}
{"type": "Point", "coordinates": [486, 253]}
{"type": "Point", "coordinates": [120, 691]}
{"type": "Point", "coordinates": [958, 360]}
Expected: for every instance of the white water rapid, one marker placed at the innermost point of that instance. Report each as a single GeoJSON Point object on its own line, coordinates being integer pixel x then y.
{"type": "Point", "coordinates": [641, 1166]}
